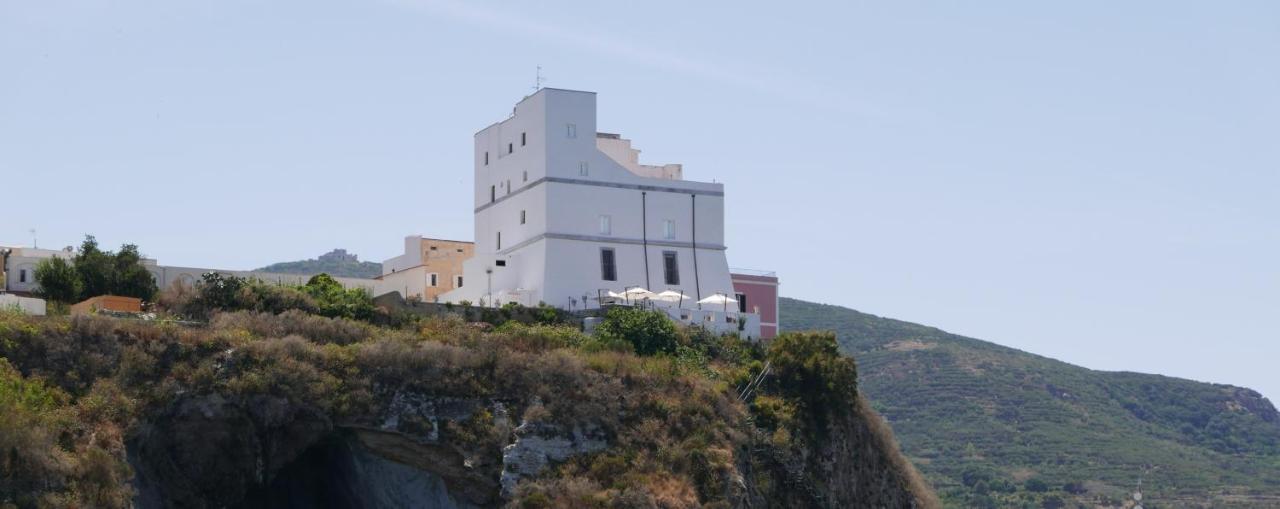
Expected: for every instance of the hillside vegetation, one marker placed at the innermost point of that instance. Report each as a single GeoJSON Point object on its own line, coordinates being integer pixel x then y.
{"type": "Point", "coordinates": [335, 263]}
{"type": "Point", "coordinates": [289, 408]}
{"type": "Point", "coordinates": [992, 426]}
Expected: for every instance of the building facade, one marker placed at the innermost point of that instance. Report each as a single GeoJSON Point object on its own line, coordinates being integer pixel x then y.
{"type": "Point", "coordinates": [20, 272]}
{"type": "Point", "coordinates": [757, 292]}
{"type": "Point", "coordinates": [564, 214]}
{"type": "Point", "coordinates": [427, 269]}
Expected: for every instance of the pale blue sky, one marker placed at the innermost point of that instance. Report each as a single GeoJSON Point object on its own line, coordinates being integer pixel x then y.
{"type": "Point", "coordinates": [1098, 182]}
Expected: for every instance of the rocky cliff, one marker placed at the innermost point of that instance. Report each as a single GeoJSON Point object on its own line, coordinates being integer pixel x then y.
{"type": "Point", "coordinates": [301, 411]}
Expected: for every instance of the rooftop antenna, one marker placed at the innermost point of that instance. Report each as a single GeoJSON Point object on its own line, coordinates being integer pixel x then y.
{"type": "Point", "coordinates": [538, 80]}
{"type": "Point", "coordinates": [34, 244]}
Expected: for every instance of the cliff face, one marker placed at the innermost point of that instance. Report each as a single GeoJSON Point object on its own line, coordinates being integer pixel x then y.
{"type": "Point", "coordinates": [294, 411]}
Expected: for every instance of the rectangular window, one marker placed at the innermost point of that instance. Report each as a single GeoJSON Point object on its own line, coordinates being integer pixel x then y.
{"type": "Point", "coordinates": [522, 139]}
{"type": "Point", "coordinates": [434, 280]}
{"type": "Point", "coordinates": [525, 176]}
{"type": "Point", "coordinates": [608, 271]}
{"type": "Point", "coordinates": [508, 186]}
{"type": "Point", "coordinates": [493, 193]}
{"type": "Point", "coordinates": [433, 248]}
{"type": "Point", "coordinates": [522, 217]}
{"type": "Point", "coordinates": [582, 168]}
{"type": "Point", "coordinates": [671, 267]}
{"type": "Point", "coordinates": [606, 225]}
{"type": "Point", "coordinates": [457, 281]}
{"type": "Point", "coordinates": [499, 241]}
{"type": "Point", "coordinates": [510, 148]}
{"type": "Point", "coordinates": [668, 229]}
{"type": "Point", "coordinates": [500, 263]}
{"type": "Point", "coordinates": [22, 276]}
{"type": "Point", "coordinates": [742, 302]}
{"type": "Point", "coordinates": [571, 131]}
{"type": "Point", "coordinates": [486, 159]}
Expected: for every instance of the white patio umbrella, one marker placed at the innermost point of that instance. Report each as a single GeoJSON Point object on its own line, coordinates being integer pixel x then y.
{"type": "Point", "coordinates": [720, 299]}
{"type": "Point", "coordinates": [637, 293]}
{"type": "Point", "coordinates": [671, 296]}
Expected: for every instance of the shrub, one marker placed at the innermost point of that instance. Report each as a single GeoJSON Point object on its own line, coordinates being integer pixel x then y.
{"type": "Point", "coordinates": [808, 369]}
{"type": "Point", "coordinates": [649, 332]}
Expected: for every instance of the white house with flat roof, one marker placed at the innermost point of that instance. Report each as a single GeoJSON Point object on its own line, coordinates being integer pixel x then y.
{"type": "Point", "coordinates": [565, 213]}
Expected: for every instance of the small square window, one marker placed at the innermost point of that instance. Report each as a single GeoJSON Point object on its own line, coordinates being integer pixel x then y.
{"type": "Point", "coordinates": [571, 130]}
{"type": "Point", "coordinates": [433, 248]}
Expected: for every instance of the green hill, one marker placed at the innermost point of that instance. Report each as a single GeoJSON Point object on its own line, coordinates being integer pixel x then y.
{"type": "Point", "coordinates": [998, 427]}
{"type": "Point", "coordinates": [334, 263]}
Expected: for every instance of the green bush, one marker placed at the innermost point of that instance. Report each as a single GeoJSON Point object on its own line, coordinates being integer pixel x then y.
{"type": "Point", "coordinates": [649, 332]}
{"type": "Point", "coordinates": [808, 369]}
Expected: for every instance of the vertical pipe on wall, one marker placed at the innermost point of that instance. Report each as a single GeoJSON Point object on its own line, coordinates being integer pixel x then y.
{"type": "Point", "coordinates": [693, 232]}
{"type": "Point", "coordinates": [644, 236]}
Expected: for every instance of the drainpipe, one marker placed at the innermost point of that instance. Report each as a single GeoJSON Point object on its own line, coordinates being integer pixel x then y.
{"type": "Point", "coordinates": [697, 281]}
{"type": "Point", "coordinates": [644, 236]}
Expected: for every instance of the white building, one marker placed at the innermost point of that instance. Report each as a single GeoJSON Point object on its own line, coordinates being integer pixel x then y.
{"type": "Point", "coordinates": [20, 273]}
{"type": "Point", "coordinates": [563, 213]}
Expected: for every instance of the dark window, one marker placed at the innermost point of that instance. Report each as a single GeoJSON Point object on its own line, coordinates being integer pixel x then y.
{"type": "Point", "coordinates": [500, 263]}
{"type": "Point", "coordinates": [493, 193]}
{"type": "Point", "coordinates": [510, 149]}
{"type": "Point", "coordinates": [486, 159]}
{"type": "Point", "coordinates": [671, 267]}
{"type": "Point", "coordinates": [608, 271]}
{"type": "Point", "coordinates": [433, 248]}
{"type": "Point", "coordinates": [742, 302]}
{"type": "Point", "coordinates": [499, 240]}
{"type": "Point", "coordinates": [22, 276]}
{"type": "Point", "coordinates": [522, 217]}
{"type": "Point", "coordinates": [458, 282]}
{"type": "Point", "coordinates": [522, 139]}
{"type": "Point", "coordinates": [433, 280]}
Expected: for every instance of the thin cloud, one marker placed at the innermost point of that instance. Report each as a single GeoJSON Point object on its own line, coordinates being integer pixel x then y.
{"type": "Point", "coordinates": [764, 80]}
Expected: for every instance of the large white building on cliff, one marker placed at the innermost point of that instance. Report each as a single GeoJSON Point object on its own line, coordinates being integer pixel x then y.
{"type": "Point", "coordinates": [564, 212]}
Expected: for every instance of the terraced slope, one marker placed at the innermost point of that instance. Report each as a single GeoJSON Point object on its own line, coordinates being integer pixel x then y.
{"type": "Point", "coordinates": [994, 426]}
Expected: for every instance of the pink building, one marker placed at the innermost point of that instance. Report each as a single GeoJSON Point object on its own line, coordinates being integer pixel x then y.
{"type": "Point", "coordinates": [757, 292]}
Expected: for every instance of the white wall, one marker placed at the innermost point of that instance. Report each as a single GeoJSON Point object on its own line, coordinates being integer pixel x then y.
{"type": "Point", "coordinates": [26, 305]}
{"type": "Point", "coordinates": [555, 255]}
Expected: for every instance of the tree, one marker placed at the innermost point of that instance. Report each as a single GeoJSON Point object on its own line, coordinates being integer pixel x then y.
{"type": "Point", "coordinates": [58, 280]}
{"type": "Point", "coordinates": [129, 277]}
{"type": "Point", "coordinates": [649, 332]}
{"type": "Point", "coordinates": [334, 301]}
{"type": "Point", "coordinates": [95, 267]}
{"type": "Point", "coordinates": [808, 368]}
